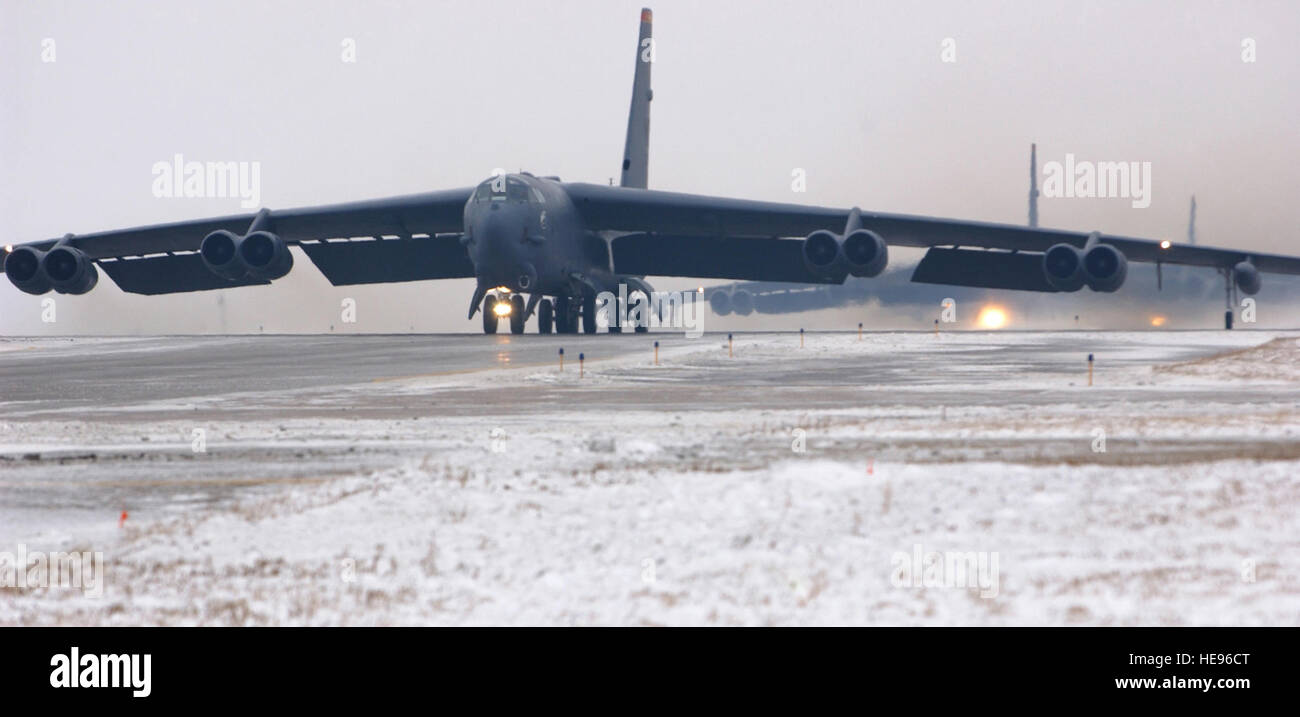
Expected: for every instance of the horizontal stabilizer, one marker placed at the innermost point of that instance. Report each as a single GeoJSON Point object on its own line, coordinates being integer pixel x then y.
{"type": "Point", "coordinates": [379, 261]}
{"type": "Point", "coordinates": [168, 274]}
{"type": "Point", "coordinates": [1021, 271]}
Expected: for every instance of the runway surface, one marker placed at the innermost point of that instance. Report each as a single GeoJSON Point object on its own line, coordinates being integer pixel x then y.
{"type": "Point", "coordinates": [191, 433]}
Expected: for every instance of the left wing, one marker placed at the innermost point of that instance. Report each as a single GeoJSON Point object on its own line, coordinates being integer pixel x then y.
{"type": "Point", "coordinates": [671, 234]}
{"type": "Point", "coordinates": [163, 258]}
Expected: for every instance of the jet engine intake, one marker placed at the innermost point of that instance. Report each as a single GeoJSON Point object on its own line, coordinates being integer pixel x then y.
{"type": "Point", "coordinates": [1104, 267]}
{"type": "Point", "coordinates": [1063, 267]}
{"type": "Point", "coordinates": [23, 267]}
{"type": "Point", "coordinates": [69, 270]}
{"type": "Point", "coordinates": [865, 253]}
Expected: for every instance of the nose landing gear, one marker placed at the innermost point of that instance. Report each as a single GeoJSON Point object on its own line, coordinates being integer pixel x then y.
{"type": "Point", "coordinates": [496, 308]}
{"type": "Point", "coordinates": [490, 316]}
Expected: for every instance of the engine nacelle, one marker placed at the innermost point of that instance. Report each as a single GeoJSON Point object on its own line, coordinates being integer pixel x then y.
{"type": "Point", "coordinates": [720, 302]}
{"type": "Point", "coordinates": [220, 253]}
{"type": "Point", "coordinates": [822, 256]}
{"type": "Point", "coordinates": [1247, 277]}
{"type": "Point", "coordinates": [865, 253]}
{"type": "Point", "coordinates": [1104, 267]}
{"type": "Point", "coordinates": [23, 267]}
{"type": "Point", "coordinates": [265, 255]}
{"type": "Point", "coordinates": [69, 270]}
{"type": "Point", "coordinates": [742, 302]}
{"type": "Point", "coordinates": [1063, 267]}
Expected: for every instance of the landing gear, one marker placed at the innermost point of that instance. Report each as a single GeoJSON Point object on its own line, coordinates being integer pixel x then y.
{"type": "Point", "coordinates": [588, 312]}
{"type": "Point", "coordinates": [490, 314]}
{"type": "Point", "coordinates": [517, 314]}
{"type": "Point", "coordinates": [564, 318]}
{"type": "Point", "coordinates": [545, 316]}
{"type": "Point", "coordinates": [1229, 296]}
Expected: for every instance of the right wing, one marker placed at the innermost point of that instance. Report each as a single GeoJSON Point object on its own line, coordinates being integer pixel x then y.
{"type": "Point", "coordinates": [676, 234]}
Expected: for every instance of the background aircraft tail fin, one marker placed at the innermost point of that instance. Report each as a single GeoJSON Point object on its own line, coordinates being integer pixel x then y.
{"type": "Point", "coordinates": [636, 152]}
{"type": "Point", "coordinates": [1033, 185]}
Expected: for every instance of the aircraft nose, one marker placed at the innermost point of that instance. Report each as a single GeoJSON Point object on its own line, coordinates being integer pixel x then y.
{"type": "Point", "coordinates": [501, 260]}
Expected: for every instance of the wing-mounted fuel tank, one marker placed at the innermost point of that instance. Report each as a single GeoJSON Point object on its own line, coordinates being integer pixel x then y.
{"type": "Point", "coordinates": [1247, 277]}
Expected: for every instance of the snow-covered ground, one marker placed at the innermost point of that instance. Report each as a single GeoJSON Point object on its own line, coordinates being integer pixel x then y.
{"type": "Point", "coordinates": [847, 482]}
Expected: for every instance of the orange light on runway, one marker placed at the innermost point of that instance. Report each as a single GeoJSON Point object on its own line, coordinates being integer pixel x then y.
{"type": "Point", "coordinates": [1157, 321]}
{"type": "Point", "coordinates": [992, 317]}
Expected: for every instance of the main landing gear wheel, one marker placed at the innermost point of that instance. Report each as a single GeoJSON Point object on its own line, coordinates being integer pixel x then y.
{"type": "Point", "coordinates": [563, 315]}
{"type": "Point", "coordinates": [490, 314]}
{"type": "Point", "coordinates": [643, 325]}
{"type": "Point", "coordinates": [545, 316]}
{"type": "Point", "coordinates": [588, 312]}
{"type": "Point", "coordinates": [517, 314]}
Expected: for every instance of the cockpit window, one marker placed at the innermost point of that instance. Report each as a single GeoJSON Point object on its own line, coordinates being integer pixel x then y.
{"type": "Point", "coordinates": [491, 190]}
{"type": "Point", "coordinates": [516, 191]}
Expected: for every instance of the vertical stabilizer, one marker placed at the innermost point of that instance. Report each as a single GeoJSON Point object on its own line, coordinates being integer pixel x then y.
{"type": "Point", "coordinates": [1033, 185]}
{"type": "Point", "coordinates": [636, 152]}
{"type": "Point", "coordinates": [1191, 223]}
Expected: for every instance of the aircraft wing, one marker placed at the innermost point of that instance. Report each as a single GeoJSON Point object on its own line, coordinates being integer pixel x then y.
{"type": "Point", "coordinates": [674, 234]}
{"type": "Point", "coordinates": [346, 241]}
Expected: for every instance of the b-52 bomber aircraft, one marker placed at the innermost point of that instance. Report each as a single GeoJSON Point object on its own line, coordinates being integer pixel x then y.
{"type": "Point", "coordinates": [562, 243]}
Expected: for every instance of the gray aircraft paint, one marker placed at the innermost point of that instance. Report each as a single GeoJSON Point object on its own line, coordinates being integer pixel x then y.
{"type": "Point", "coordinates": [636, 150]}
{"type": "Point", "coordinates": [571, 240]}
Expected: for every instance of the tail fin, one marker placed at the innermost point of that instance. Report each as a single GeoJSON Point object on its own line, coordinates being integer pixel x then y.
{"type": "Point", "coordinates": [636, 153]}
{"type": "Point", "coordinates": [1033, 185]}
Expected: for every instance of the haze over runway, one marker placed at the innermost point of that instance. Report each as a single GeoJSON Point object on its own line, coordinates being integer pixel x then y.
{"type": "Point", "coordinates": [854, 94]}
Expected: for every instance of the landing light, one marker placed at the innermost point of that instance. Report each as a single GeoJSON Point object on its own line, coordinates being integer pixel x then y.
{"type": "Point", "coordinates": [9, 248]}
{"type": "Point", "coordinates": [992, 317]}
{"type": "Point", "coordinates": [502, 309]}
{"type": "Point", "coordinates": [503, 289]}
{"type": "Point", "coordinates": [1165, 244]}
{"type": "Point", "coordinates": [1157, 321]}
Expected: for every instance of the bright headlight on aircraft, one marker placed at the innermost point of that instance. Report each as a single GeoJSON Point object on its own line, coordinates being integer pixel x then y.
{"type": "Point", "coordinates": [992, 317]}
{"type": "Point", "coordinates": [1165, 244]}
{"type": "Point", "coordinates": [502, 308]}
{"type": "Point", "coordinates": [9, 248]}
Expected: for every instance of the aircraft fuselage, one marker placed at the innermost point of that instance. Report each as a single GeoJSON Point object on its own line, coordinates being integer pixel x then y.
{"type": "Point", "coordinates": [523, 233]}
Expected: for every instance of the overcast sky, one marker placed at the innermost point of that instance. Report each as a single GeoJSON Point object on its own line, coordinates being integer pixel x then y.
{"type": "Point", "coordinates": [854, 93]}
